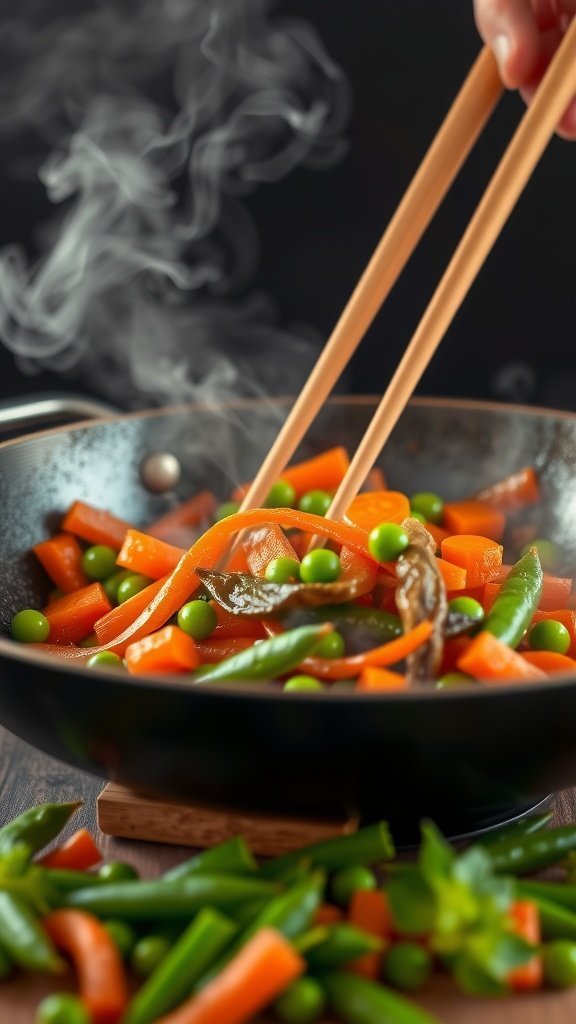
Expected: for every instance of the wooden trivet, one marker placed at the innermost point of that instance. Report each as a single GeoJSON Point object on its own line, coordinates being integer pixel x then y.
{"type": "Point", "coordinates": [129, 815]}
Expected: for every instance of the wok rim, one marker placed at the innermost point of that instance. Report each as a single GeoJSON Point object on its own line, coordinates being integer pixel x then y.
{"type": "Point", "coordinates": [171, 684]}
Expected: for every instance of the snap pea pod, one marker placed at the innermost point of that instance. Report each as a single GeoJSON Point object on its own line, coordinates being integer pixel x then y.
{"type": "Point", "coordinates": [358, 1001]}
{"type": "Point", "coordinates": [23, 937]}
{"type": "Point", "coordinates": [523, 827]}
{"type": "Point", "coordinates": [517, 601]}
{"type": "Point", "coordinates": [232, 858]}
{"type": "Point", "coordinates": [36, 827]}
{"type": "Point", "coordinates": [135, 901]}
{"type": "Point", "coordinates": [268, 659]}
{"type": "Point", "coordinates": [556, 921]}
{"type": "Point", "coordinates": [370, 845]}
{"type": "Point", "coordinates": [523, 854]}
{"type": "Point", "coordinates": [61, 880]}
{"type": "Point", "coordinates": [341, 944]}
{"type": "Point", "coordinates": [556, 892]}
{"type": "Point", "coordinates": [192, 955]}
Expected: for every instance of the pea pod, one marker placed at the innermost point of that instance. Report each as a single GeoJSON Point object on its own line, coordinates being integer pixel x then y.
{"type": "Point", "coordinates": [370, 845]}
{"type": "Point", "coordinates": [556, 892]}
{"type": "Point", "coordinates": [517, 601]}
{"type": "Point", "coordinates": [36, 827]}
{"type": "Point", "coordinates": [23, 938]}
{"type": "Point", "coordinates": [268, 659]}
{"type": "Point", "coordinates": [61, 880]}
{"type": "Point", "coordinates": [517, 829]}
{"type": "Point", "coordinates": [521, 855]}
{"type": "Point", "coordinates": [358, 1001]}
{"type": "Point", "coordinates": [556, 921]}
{"type": "Point", "coordinates": [341, 944]}
{"type": "Point", "coordinates": [361, 627]}
{"type": "Point", "coordinates": [232, 858]}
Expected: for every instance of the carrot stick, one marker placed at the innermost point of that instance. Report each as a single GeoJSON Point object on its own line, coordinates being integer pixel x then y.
{"type": "Point", "coordinates": [259, 972]}
{"type": "Point", "coordinates": [327, 913]}
{"type": "Point", "coordinates": [387, 654]}
{"type": "Point", "coordinates": [216, 649]}
{"type": "Point", "coordinates": [194, 512]}
{"type": "Point", "coordinates": [525, 919]}
{"type": "Point", "coordinates": [567, 616]}
{"type": "Point", "coordinates": [118, 619]}
{"type": "Point", "coordinates": [78, 853]}
{"type": "Point", "coordinates": [479, 556]}
{"type": "Point", "coordinates": [101, 977]}
{"type": "Point", "coordinates": [230, 625]}
{"type": "Point", "coordinates": [168, 650]}
{"type": "Point", "coordinates": [454, 576]}
{"type": "Point", "coordinates": [324, 472]}
{"type": "Point", "coordinates": [513, 492]}
{"type": "Point", "coordinates": [437, 532]}
{"type": "Point", "coordinates": [95, 525]}
{"type": "Point", "coordinates": [487, 658]}
{"type": "Point", "coordinates": [369, 910]}
{"type": "Point", "coordinates": [72, 617]}
{"type": "Point", "coordinates": [264, 544]}
{"type": "Point", "coordinates": [550, 662]}
{"type": "Point", "coordinates": [474, 517]}
{"type": "Point", "coordinates": [375, 680]}
{"type": "Point", "coordinates": [61, 558]}
{"type": "Point", "coordinates": [147, 555]}
{"type": "Point", "coordinates": [371, 508]}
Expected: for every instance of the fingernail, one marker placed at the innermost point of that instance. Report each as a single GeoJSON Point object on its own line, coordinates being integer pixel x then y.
{"type": "Point", "coordinates": [501, 48]}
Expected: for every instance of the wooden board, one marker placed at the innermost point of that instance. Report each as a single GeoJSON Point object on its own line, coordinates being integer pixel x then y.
{"type": "Point", "coordinates": [126, 814]}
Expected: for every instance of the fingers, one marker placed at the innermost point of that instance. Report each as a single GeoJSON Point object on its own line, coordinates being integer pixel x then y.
{"type": "Point", "coordinates": [511, 29]}
{"type": "Point", "coordinates": [550, 43]}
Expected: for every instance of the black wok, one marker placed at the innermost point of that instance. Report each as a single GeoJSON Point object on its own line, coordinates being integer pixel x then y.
{"type": "Point", "coordinates": [464, 758]}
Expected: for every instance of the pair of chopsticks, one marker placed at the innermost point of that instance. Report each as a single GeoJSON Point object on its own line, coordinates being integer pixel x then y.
{"type": "Point", "coordinates": [456, 137]}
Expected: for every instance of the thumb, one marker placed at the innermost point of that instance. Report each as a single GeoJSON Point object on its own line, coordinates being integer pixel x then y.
{"type": "Point", "coordinates": [509, 27]}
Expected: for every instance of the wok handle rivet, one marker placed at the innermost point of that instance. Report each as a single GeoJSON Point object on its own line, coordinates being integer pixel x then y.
{"type": "Point", "coordinates": [160, 472]}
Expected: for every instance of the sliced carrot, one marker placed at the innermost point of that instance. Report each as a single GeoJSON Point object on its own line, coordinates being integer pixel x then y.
{"type": "Point", "coordinates": [387, 654]}
{"type": "Point", "coordinates": [216, 649]}
{"type": "Point", "coordinates": [454, 576]}
{"type": "Point", "coordinates": [358, 568]}
{"type": "Point", "coordinates": [370, 911]}
{"type": "Point", "coordinates": [374, 680]}
{"type": "Point", "coordinates": [476, 592]}
{"type": "Point", "coordinates": [375, 481]}
{"type": "Point", "coordinates": [323, 472]}
{"type": "Point", "coordinates": [147, 555]}
{"type": "Point", "coordinates": [78, 853]}
{"type": "Point", "coordinates": [61, 558]}
{"type": "Point", "coordinates": [474, 517]}
{"type": "Point", "coordinates": [567, 616]}
{"type": "Point", "coordinates": [525, 920]}
{"type": "Point", "coordinates": [488, 659]}
{"type": "Point", "coordinates": [118, 619]}
{"type": "Point", "coordinates": [437, 532]}
{"type": "Point", "coordinates": [264, 544]}
{"type": "Point", "coordinates": [73, 617]}
{"type": "Point", "coordinates": [196, 511]}
{"type": "Point", "coordinates": [168, 650]}
{"type": "Point", "coordinates": [513, 492]}
{"type": "Point", "coordinates": [327, 913]}
{"type": "Point", "coordinates": [237, 561]}
{"type": "Point", "coordinates": [101, 976]}
{"type": "Point", "coordinates": [479, 556]}
{"type": "Point", "coordinates": [550, 662]}
{"type": "Point", "coordinates": [555, 592]}
{"type": "Point", "coordinates": [95, 525]}
{"type": "Point", "coordinates": [452, 651]}
{"type": "Point", "coordinates": [259, 972]}
{"type": "Point", "coordinates": [371, 508]}
{"type": "Point", "coordinates": [491, 591]}
{"type": "Point", "coordinates": [230, 625]}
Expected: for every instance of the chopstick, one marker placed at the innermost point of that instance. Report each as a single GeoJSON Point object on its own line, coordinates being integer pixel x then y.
{"type": "Point", "coordinates": [462, 126]}
{"type": "Point", "coordinates": [528, 143]}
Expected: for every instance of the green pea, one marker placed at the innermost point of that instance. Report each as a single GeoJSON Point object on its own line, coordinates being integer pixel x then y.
{"type": "Point", "coordinates": [117, 871]}
{"type": "Point", "coordinates": [62, 1008]}
{"type": "Point", "coordinates": [346, 882]}
{"type": "Point", "coordinates": [407, 966]}
{"type": "Point", "coordinates": [302, 1003]}
{"type": "Point", "coordinates": [131, 586]}
{"type": "Point", "coordinates": [548, 553]}
{"type": "Point", "coordinates": [559, 959]}
{"type": "Point", "coordinates": [99, 562]}
{"type": "Point", "coordinates": [387, 541]}
{"type": "Point", "coordinates": [429, 505]}
{"type": "Point", "coordinates": [320, 566]}
{"type": "Point", "coordinates": [467, 606]}
{"type": "Point", "coordinates": [281, 495]}
{"type": "Point", "coordinates": [30, 627]}
{"type": "Point", "coordinates": [417, 515]}
{"type": "Point", "coordinates": [549, 635]}
{"type": "Point", "coordinates": [453, 680]}
{"type": "Point", "coordinates": [198, 619]}
{"type": "Point", "coordinates": [105, 659]}
{"type": "Point", "coordinates": [122, 935]}
{"type": "Point", "coordinates": [113, 582]}
{"type": "Point", "coordinates": [227, 508]}
{"type": "Point", "coordinates": [316, 503]}
{"type": "Point", "coordinates": [301, 684]}
{"type": "Point", "coordinates": [331, 646]}
{"type": "Point", "coordinates": [282, 570]}
{"type": "Point", "coordinates": [148, 953]}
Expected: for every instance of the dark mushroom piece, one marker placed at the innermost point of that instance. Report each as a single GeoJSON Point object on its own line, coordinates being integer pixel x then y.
{"type": "Point", "coordinates": [420, 595]}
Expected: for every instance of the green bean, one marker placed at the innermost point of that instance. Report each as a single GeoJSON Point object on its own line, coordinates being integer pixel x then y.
{"type": "Point", "coordinates": [369, 845]}
{"type": "Point", "coordinates": [342, 943]}
{"type": "Point", "coordinates": [523, 827]}
{"type": "Point", "coordinates": [233, 858]}
{"type": "Point", "coordinates": [523, 854]}
{"type": "Point", "coordinates": [23, 937]}
{"type": "Point", "coordinates": [556, 921]}
{"type": "Point", "coordinates": [517, 601]}
{"type": "Point", "coordinates": [358, 1001]}
{"type": "Point", "coordinates": [268, 659]}
{"type": "Point", "coordinates": [557, 892]}
{"type": "Point", "coordinates": [36, 827]}
{"type": "Point", "coordinates": [66, 880]}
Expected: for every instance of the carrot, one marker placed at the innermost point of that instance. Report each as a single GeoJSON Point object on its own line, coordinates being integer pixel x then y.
{"type": "Point", "coordinates": [454, 576]}
{"type": "Point", "coordinates": [238, 560]}
{"type": "Point", "coordinates": [374, 680]}
{"type": "Point", "coordinates": [525, 920]}
{"type": "Point", "coordinates": [193, 512]}
{"type": "Point", "coordinates": [369, 910]}
{"type": "Point", "coordinates": [230, 625]}
{"type": "Point", "coordinates": [61, 558]}
{"type": "Point", "coordinates": [387, 654]}
{"type": "Point", "coordinates": [453, 650]}
{"type": "Point", "coordinates": [78, 853]}
{"type": "Point", "coordinates": [101, 977]}
{"type": "Point", "coordinates": [567, 616]}
{"type": "Point", "coordinates": [95, 525]}
{"type": "Point", "coordinates": [375, 481]}
{"type": "Point", "coordinates": [487, 658]}
{"type": "Point", "coordinates": [259, 972]}
{"type": "Point", "coordinates": [73, 616]}
{"type": "Point", "coordinates": [147, 555]}
{"type": "Point", "coordinates": [323, 472]}
{"type": "Point", "coordinates": [168, 650]}
{"type": "Point", "coordinates": [214, 650]}
{"type": "Point", "coordinates": [513, 492]}
{"type": "Point", "coordinates": [474, 517]}
{"type": "Point", "coordinates": [374, 507]}
{"type": "Point", "coordinates": [359, 568]}
{"type": "Point", "coordinates": [118, 619]}
{"type": "Point", "coordinates": [550, 662]}
{"type": "Point", "coordinates": [327, 913]}
{"type": "Point", "coordinates": [555, 592]}
{"type": "Point", "coordinates": [437, 532]}
{"type": "Point", "coordinates": [264, 544]}
{"type": "Point", "coordinates": [479, 556]}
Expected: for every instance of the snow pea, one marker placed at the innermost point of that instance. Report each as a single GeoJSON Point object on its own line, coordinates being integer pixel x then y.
{"type": "Point", "coordinates": [36, 827]}
{"type": "Point", "coordinates": [523, 827]}
{"type": "Point", "coordinates": [232, 857]}
{"type": "Point", "coordinates": [519, 855]}
{"type": "Point", "coordinates": [512, 611]}
{"type": "Point", "coordinates": [267, 659]}
{"type": "Point", "coordinates": [370, 845]}
{"type": "Point", "coordinates": [23, 937]}
{"type": "Point", "coordinates": [557, 892]}
{"type": "Point", "coordinates": [358, 1001]}
{"type": "Point", "coordinates": [342, 943]}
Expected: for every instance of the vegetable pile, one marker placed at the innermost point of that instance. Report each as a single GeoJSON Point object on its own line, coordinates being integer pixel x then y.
{"type": "Point", "coordinates": [339, 926]}
{"type": "Point", "coordinates": [405, 592]}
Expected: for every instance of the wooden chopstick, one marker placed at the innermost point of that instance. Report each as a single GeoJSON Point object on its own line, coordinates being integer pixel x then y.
{"type": "Point", "coordinates": [528, 143]}
{"type": "Point", "coordinates": [456, 137]}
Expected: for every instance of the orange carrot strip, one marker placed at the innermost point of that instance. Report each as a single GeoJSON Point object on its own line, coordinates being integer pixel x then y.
{"type": "Point", "coordinates": [454, 576]}
{"type": "Point", "coordinates": [375, 680]}
{"type": "Point", "coordinates": [214, 650]}
{"type": "Point", "coordinates": [359, 568]}
{"type": "Point", "coordinates": [513, 492]}
{"type": "Point", "coordinates": [237, 561]}
{"type": "Point", "coordinates": [327, 913]}
{"type": "Point", "coordinates": [95, 525]}
{"type": "Point", "coordinates": [118, 619]}
{"type": "Point", "coordinates": [567, 616]}
{"type": "Point", "coordinates": [147, 555]}
{"type": "Point", "coordinates": [259, 972]}
{"type": "Point", "coordinates": [72, 617]}
{"type": "Point", "coordinates": [194, 512]}
{"type": "Point", "coordinates": [78, 853]}
{"type": "Point", "coordinates": [479, 556]}
{"type": "Point", "coordinates": [61, 558]}
{"type": "Point", "coordinates": [387, 654]}
{"type": "Point", "coordinates": [371, 508]}
{"type": "Point", "coordinates": [550, 662]}
{"type": "Point", "coordinates": [101, 977]}
{"type": "Point", "coordinates": [323, 472]}
{"type": "Point", "coordinates": [437, 532]}
{"type": "Point", "coordinates": [474, 517]}
{"type": "Point", "coordinates": [264, 544]}
{"type": "Point", "coordinates": [525, 920]}
{"type": "Point", "coordinates": [487, 658]}
{"type": "Point", "coordinates": [555, 593]}
{"type": "Point", "coordinates": [168, 650]}
{"type": "Point", "coordinates": [369, 910]}
{"type": "Point", "coordinates": [230, 625]}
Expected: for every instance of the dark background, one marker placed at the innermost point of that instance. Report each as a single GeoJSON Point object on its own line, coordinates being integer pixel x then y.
{"type": "Point", "coordinates": [514, 338]}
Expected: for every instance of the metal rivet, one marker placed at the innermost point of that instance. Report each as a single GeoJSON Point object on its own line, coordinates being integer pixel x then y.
{"type": "Point", "coordinates": [160, 472]}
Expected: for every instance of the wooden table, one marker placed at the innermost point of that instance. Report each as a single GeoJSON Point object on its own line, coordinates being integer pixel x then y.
{"type": "Point", "coordinates": [28, 777]}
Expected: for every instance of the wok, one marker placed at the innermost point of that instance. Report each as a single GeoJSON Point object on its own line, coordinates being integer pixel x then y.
{"type": "Point", "coordinates": [465, 758]}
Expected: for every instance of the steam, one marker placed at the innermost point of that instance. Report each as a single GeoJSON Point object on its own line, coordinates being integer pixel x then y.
{"type": "Point", "coordinates": [159, 117]}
